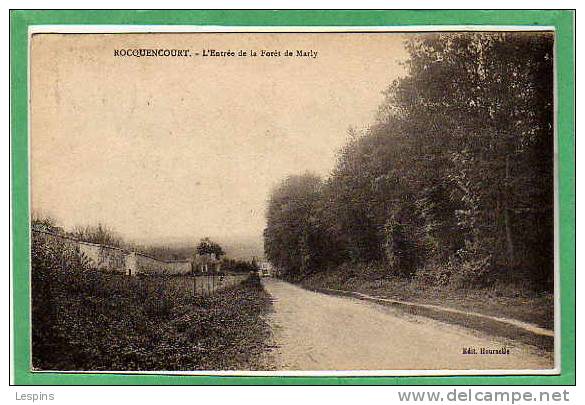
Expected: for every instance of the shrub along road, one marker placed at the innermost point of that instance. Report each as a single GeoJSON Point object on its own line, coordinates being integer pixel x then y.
{"type": "Point", "coordinates": [315, 331]}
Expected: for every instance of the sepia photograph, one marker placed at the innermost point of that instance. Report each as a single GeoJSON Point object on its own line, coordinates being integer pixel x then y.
{"type": "Point", "coordinates": [270, 202]}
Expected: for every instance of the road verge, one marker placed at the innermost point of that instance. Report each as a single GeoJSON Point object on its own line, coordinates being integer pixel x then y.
{"type": "Point", "coordinates": [508, 328]}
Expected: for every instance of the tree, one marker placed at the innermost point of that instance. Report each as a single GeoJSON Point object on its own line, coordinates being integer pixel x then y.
{"type": "Point", "coordinates": [239, 266]}
{"type": "Point", "coordinates": [478, 109]}
{"type": "Point", "coordinates": [207, 247]}
{"type": "Point", "coordinates": [365, 186]}
{"type": "Point", "coordinates": [292, 237]}
{"type": "Point", "coordinates": [100, 234]}
{"type": "Point", "coordinates": [455, 176]}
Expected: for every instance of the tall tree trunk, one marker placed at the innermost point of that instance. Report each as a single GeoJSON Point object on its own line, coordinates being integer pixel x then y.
{"type": "Point", "coordinates": [509, 241]}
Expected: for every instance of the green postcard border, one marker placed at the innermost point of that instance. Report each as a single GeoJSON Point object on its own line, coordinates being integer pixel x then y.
{"type": "Point", "coordinates": [20, 20]}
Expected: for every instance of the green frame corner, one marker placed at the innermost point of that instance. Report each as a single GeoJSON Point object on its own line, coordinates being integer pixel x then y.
{"type": "Point", "coordinates": [21, 20]}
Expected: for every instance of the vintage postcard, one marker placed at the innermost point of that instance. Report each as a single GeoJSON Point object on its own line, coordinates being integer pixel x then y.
{"type": "Point", "coordinates": [288, 201]}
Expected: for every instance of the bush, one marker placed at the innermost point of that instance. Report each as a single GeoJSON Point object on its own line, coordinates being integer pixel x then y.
{"type": "Point", "coordinates": [85, 319]}
{"type": "Point", "coordinates": [253, 280]}
{"type": "Point", "coordinates": [402, 252]}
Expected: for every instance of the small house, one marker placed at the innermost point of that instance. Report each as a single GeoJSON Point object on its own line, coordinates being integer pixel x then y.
{"type": "Point", "coordinates": [206, 263]}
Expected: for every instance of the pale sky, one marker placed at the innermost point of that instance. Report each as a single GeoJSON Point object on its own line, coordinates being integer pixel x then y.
{"type": "Point", "coordinates": [173, 149]}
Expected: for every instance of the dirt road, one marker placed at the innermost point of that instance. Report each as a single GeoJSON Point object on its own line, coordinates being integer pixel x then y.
{"type": "Point", "coordinates": [313, 331]}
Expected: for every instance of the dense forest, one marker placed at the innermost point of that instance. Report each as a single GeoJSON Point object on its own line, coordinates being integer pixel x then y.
{"type": "Point", "coordinates": [453, 182]}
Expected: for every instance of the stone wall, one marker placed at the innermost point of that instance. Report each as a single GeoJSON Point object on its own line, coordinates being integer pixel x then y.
{"type": "Point", "coordinates": [142, 264]}
{"type": "Point", "coordinates": [103, 257]}
{"type": "Point", "coordinates": [112, 258]}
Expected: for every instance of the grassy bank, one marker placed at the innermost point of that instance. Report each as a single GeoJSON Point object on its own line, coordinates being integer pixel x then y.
{"type": "Point", "coordinates": [89, 320]}
{"type": "Point", "coordinates": [502, 300]}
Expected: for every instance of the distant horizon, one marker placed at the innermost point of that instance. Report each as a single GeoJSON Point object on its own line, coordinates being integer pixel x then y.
{"type": "Point", "coordinates": [173, 161]}
{"type": "Point", "coordinates": [235, 247]}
